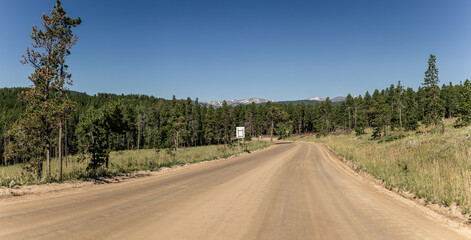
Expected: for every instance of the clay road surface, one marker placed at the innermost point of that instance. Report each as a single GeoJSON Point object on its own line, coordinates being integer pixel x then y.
{"type": "Point", "coordinates": [288, 191]}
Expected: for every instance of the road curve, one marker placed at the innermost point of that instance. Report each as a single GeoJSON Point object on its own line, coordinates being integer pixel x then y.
{"type": "Point", "coordinates": [289, 191]}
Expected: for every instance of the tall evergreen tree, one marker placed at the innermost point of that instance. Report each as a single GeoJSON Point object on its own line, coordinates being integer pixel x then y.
{"type": "Point", "coordinates": [380, 113]}
{"type": "Point", "coordinates": [399, 99]}
{"type": "Point", "coordinates": [195, 123]}
{"type": "Point", "coordinates": [275, 115]}
{"type": "Point", "coordinates": [47, 105]}
{"type": "Point", "coordinates": [367, 108]}
{"type": "Point", "coordinates": [464, 108]}
{"type": "Point", "coordinates": [210, 126]}
{"type": "Point", "coordinates": [250, 119]}
{"type": "Point", "coordinates": [227, 122]}
{"type": "Point", "coordinates": [449, 95]}
{"type": "Point", "coordinates": [411, 112]}
{"type": "Point", "coordinates": [434, 106]}
{"type": "Point", "coordinates": [95, 130]}
{"type": "Point", "coordinates": [360, 116]}
{"type": "Point", "coordinates": [325, 123]}
{"type": "Point", "coordinates": [350, 109]}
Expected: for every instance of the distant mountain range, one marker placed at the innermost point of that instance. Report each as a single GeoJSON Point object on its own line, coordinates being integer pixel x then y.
{"type": "Point", "coordinates": [235, 102]}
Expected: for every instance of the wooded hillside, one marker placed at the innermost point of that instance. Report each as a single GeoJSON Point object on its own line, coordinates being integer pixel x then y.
{"type": "Point", "coordinates": [149, 122]}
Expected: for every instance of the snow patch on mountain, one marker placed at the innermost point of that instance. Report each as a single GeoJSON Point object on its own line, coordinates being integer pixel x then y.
{"type": "Point", "coordinates": [316, 99]}
{"type": "Point", "coordinates": [335, 99]}
{"type": "Point", "coordinates": [236, 102]}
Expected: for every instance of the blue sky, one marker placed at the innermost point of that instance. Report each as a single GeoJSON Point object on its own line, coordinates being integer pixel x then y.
{"type": "Point", "coordinates": [215, 50]}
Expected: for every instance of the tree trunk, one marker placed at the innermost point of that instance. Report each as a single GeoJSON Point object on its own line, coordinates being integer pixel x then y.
{"type": "Point", "coordinates": [400, 118]}
{"type": "Point", "coordinates": [5, 143]}
{"type": "Point", "coordinates": [128, 139]}
{"type": "Point", "coordinates": [148, 139]}
{"type": "Point", "coordinates": [176, 147]}
{"type": "Point", "coordinates": [355, 117]}
{"type": "Point", "coordinates": [60, 151]}
{"type": "Point", "coordinates": [271, 130]}
{"type": "Point", "coordinates": [66, 147]}
{"type": "Point", "coordinates": [48, 163]}
{"type": "Point", "coordinates": [299, 126]}
{"type": "Point", "coordinates": [349, 120]}
{"type": "Point", "coordinates": [443, 125]}
{"type": "Point", "coordinates": [39, 172]}
{"type": "Point", "coordinates": [107, 159]}
{"type": "Point", "coordinates": [138, 134]}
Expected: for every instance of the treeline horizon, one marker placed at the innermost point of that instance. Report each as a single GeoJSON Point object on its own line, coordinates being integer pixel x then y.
{"type": "Point", "coordinates": [142, 121]}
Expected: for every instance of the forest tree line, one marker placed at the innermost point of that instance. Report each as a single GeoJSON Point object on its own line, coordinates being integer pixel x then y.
{"type": "Point", "coordinates": [119, 122]}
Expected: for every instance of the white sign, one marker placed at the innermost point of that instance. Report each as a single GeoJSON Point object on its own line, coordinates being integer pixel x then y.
{"type": "Point", "coordinates": [240, 132]}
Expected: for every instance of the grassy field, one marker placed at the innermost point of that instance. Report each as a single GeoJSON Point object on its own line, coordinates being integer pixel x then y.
{"type": "Point", "coordinates": [429, 165]}
{"type": "Point", "coordinates": [124, 162]}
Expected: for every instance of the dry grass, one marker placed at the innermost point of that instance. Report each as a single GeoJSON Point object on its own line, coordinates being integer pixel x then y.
{"type": "Point", "coordinates": [124, 162]}
{"type": "Point", "coordinates": [432, 166]}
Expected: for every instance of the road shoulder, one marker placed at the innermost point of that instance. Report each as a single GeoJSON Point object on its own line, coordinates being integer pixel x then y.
{"type": "Point", "coordinates": [48, 190]}
{"type": "Point", "coordinates": [447, 216]}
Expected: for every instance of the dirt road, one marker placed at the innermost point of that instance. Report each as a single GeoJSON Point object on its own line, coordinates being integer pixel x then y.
{"type": "Point", "coordinates": [289, 191]}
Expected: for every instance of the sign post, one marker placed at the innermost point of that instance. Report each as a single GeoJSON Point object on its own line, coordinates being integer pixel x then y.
{"type": "Point", "coordinates": [240, 133]}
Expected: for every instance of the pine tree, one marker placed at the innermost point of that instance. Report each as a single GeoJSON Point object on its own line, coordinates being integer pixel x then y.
{"type": "Point", "coordinates": [392, 119]}
{"type": "Point", "coordinates": [47, 104]}
{"type": "Point", "coordinates": [275, 115]}
{"type": "Point", "coordinates": [250, 119]}
{"type": "Point", "coordinates": [360, 116]}
{"type": "Point", "coordinates": [227, 122]}
{"type": "Point", "coordinates": [350, 108]}
{"type": "Point", "coordinates": [195, 123]}
{"type": "Point", "coordinates": [261, 120]}
{"type": "Point", "coordinates": [380, 113]}
{"type": "Point", "coordinates": [210, 125]}
{"type": "Point", "coordinates": [325, 125]}
{"type": "Point", "coordinates": [179, 132]}
{"type": "Point", "coordinates": [367, 108]}
{"type": "Point", "coordinates": [434, 109]}
{"type": "Point", "coordinates": [464, 108]}
{"type": "Point", "coordinates": [94, 131]}
{"type": "Point", "coordinates": [422, 103]}
{"type": "Point", "coordinates": [449, 95]}
{"type": "Point", "coordinates": [399, 99]}
{"type": "Point", "coordinates": [411, 113]}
